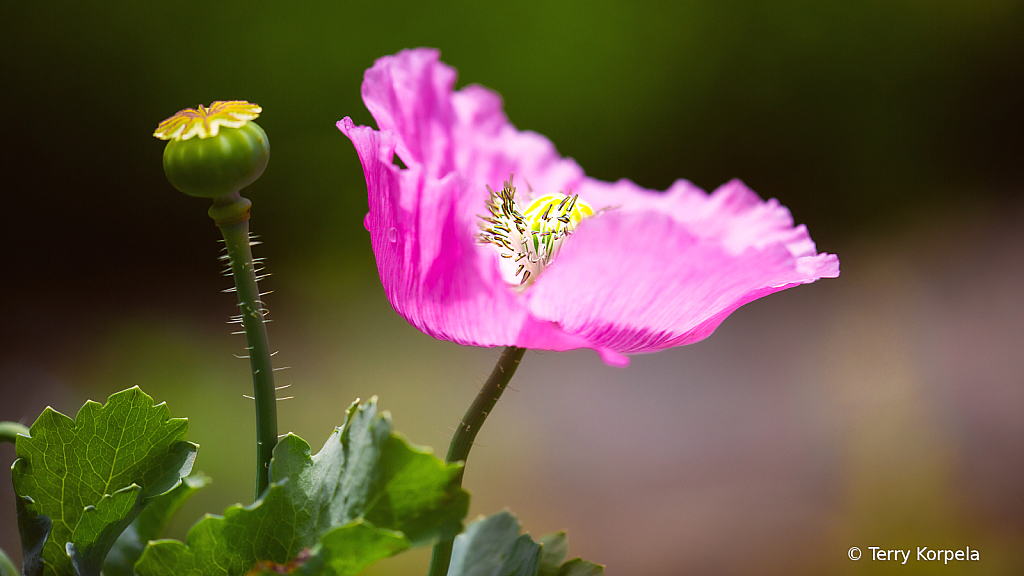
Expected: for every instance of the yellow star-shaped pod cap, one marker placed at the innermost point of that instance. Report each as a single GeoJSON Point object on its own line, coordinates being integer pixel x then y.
{"type": "Point", "coordinates": [216, 150]}
{"type": "Point", "coordinates": [206, 122]}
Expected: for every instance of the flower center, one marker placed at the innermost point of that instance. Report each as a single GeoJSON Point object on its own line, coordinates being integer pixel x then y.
{"type": "Point", "coordinates": [528, 240]}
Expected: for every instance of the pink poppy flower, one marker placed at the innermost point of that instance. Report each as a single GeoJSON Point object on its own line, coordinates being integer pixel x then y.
{"type": "Point", "coordinates": [552, 260]}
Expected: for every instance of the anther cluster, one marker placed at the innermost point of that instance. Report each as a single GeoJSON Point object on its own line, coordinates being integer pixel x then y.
{"type": "Point", "coordinates": [532, 238]}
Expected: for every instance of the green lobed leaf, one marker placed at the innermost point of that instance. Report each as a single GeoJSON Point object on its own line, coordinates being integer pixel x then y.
{"type": "Point", "coordinates": [580, 567]}
{"type": "Point", "coordinates": [556, 548]}
{"type": "Point", "coordinates": [344, 551]}
{"type": "Point", "coordinates": [98, 529]}
{"type": "Point", "coordinates": [366, 475]}
{"type": "Point", "coordinates": [150, 525]}
{"type": "Point", "coordinates": [81, 482]}
{"type": "Point", "coordinates": [348, 549]}
{"type": "Point", "coordinates": [492, 546]}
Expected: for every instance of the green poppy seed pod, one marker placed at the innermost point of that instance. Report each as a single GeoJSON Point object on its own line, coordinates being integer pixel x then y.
{"type": "Point", "coordinates": [215, 151]}
{"type": "Point", "coordinates": [217, 165]}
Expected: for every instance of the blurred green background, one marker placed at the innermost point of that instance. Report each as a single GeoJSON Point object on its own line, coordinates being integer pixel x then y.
{"type": "Point", "coordinates": [880, 409]}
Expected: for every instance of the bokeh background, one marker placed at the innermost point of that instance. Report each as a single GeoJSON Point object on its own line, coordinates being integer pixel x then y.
{"type": "Point", "coordinates": [883, 408]}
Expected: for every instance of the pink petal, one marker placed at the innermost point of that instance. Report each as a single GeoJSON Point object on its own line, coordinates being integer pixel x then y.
{"type": "Point", "coordinates": [652, 271]}
{"type": "Point", "coordinates": [732, 215]}
{"type": "Point", "coordinates": [433, 272]}
{"type": "Point", "coordinates": [641, 280]}
{"type": "Point", "coordinates": [411, 95]}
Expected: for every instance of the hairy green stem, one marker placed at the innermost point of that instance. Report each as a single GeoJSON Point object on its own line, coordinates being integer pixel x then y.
{"type": "Point", "coordinates": [9, 431]}
{"type": "Point", "coordinates": [231, 213]}
{"type": "Point", "coordinates": [462, 441]}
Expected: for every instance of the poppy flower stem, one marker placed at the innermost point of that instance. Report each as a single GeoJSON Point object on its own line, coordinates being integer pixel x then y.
{"type": "Point", "coordinates": [462, 441]}
{"type": "Point", "coordinates": [231, 214]}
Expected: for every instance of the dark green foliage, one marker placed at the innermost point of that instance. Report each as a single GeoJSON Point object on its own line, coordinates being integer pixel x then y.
{"type": "Point", "coordinates": [366, 495]}
{"type": "Point", "coordinates": [150, 525]}
{"type": "Point", "coordinates": [492, 546]}
{"type": "Point", "coordinates": [81, 482]}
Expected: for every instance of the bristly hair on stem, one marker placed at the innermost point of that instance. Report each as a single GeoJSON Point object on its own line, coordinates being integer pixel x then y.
{"type": "Point", "coordinates": [252, 317]}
